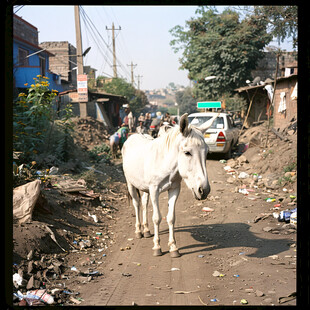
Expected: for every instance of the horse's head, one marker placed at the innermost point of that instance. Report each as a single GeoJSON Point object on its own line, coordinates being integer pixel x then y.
{"type": "Point", "coordinates": [192, 157]}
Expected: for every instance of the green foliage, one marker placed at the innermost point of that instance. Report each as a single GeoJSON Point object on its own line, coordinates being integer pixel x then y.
{"type": "Point", "coordinates": [101, 153]}
{"type": "Point", "coordinates": [187, 103]}
{"type": "Point", "coordinates": [65, 142]}
{"type": "Point", "coordinates": [282, 20]}
{"type": "Point", "coordinates": [219, 45]}
{"type": "Point", "coordinates": [290, 167]}
{"type": "Point", "coordinates": [136, 98]}
{"type": "Point", "coordinates": [233, 102]}
{"type": "Point", "coordinates": [32, 116]}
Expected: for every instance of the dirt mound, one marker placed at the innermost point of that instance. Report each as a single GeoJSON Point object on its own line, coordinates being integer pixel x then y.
{"type": "Point", "coordinates": [88, 132]}
{"type": "Point", "coordinates": [277, 160]}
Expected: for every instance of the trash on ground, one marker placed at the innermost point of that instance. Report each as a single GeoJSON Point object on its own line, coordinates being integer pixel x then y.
{"type": "Point", "coordinates": [217, 274]}
{"type": "Point", "coordinates": [207, 209]}
{"type": "Point", "coordinates": [185, 292]}
{"type": "Point", "coordinates": [174, 269]}
{"type": "Point", "coordinates": [243, 191]}
{"type": "Point", "coordinates": [94, 217]}
{"type": "Point", "coordinates": [287, 298]}
{"type": "Point", "coordinates": [126, 274]}
{"type": "Point", "coordinates": [293, 219]}
{"type": "Point", "coordinates": [24, 200]}
{"type": "Point", "coordinates": [243, 175]}
{"type": "Point", "coordinates": [17, 279]}
{"type": "Point", "coordinates": [285, 216]}
{"type": "Point", "coordinates": [243, 301]}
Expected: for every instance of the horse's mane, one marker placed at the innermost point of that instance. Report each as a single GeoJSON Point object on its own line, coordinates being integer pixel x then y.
{"type": "Point", "coordinates": [170, 137]}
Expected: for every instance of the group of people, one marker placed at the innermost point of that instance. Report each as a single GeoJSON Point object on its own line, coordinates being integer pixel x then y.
{"type": "Point", "coordinates": [145, 126]}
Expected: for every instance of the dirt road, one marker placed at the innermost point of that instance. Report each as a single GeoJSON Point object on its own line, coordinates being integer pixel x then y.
{"type": "Point", "coordinates": [226, 258]}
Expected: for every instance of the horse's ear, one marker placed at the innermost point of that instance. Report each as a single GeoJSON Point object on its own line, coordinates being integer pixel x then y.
{"type": "Point", "coordinates": [205, 126]}
{"type": "Point", "coordinates": [184, 125]}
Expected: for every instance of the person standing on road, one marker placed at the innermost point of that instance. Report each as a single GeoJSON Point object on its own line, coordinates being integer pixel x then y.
{"type": "Point", "coordinates": [123, 134]}
{"type": "Point", "coordinates": [141, 129]}
{"type": "Point", "coordinates": [147, 121]}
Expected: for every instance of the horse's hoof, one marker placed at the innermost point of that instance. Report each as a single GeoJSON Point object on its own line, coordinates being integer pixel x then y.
{"type": "Point", "coordinates": [147, 234]}
{"type": "Point", "coordinates": [157, 252]}
{"type": "Point", "coordinates": [138, 235]}
{"type": "Point", "coordinates": [175, 254]}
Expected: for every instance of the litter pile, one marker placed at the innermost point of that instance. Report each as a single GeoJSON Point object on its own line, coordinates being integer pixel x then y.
{"type": "Point", "coordinates": [268, 173]}
{"type": "Point", "coordinates": [55, 218]}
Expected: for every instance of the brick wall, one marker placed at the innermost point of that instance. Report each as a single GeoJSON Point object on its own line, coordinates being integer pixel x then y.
{"type": "Point", "coordinates": [24, 30]}
{"type": "Point", "coordinates": [60, 63]}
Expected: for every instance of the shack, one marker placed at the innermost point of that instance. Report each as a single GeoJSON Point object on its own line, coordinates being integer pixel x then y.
{"type": "Point", "coordinates": [258, 95]}
{"type": "Point", "coordinates": [102, 106]}
{"type": "Point", "coordinates": [285, 101]}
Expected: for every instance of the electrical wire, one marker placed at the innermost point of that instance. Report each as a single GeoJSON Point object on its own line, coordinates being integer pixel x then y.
{"type": "Point", "coordinates": [91, 25]}
{"type": "Point", "coordinates": [95, 37]}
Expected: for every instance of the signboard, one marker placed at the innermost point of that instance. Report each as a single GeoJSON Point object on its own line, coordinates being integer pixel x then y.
{"type": "Point", "coordinates": [82, 88]}
{"type": "Point", "coordinates": [209, 104]}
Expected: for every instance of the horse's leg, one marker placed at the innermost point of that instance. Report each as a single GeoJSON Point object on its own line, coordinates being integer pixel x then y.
{"type": "Point", "coordinates": [136, 203]}
{"type": "Point", "coordinates": [173, 195]}
{"type": "Point", "coordinates": [144, 201]}
{"type": "Point", "coordinates": [156, 220]}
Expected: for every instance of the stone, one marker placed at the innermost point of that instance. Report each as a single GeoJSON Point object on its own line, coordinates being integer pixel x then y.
{"type": "Point", "coordinates": [259, 293]}
{"type": "Point", "coordinates": [242, 159]}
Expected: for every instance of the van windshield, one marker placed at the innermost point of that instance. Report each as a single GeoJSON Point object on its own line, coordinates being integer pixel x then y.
{"type": "Point", "coordinates": [198, 120]}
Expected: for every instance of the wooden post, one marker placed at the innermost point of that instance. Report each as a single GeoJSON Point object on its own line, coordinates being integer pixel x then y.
{"type": "Point", "coordinates": [274, 94]}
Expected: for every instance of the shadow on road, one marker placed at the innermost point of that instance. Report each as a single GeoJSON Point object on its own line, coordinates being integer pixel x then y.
{"type": "Point", "coordinates": [230, 235]}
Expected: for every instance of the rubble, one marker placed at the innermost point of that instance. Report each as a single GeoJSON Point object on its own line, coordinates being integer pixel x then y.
{"type": "Point", "coordinates": [66, 218]}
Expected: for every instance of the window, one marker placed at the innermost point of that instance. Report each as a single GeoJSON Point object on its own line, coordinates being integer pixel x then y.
{"type": "Point", "coordinates": [198, 120]}
{"type": "Point", "coordinates": [229, 122]}
{"type": "Point", "coordinates": [42, 65]}
{"type": "Point", "coordinates": [22, 57]}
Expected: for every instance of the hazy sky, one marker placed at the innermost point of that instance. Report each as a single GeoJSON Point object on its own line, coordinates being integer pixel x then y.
{"type": "Point", "coordinates": [143, 39]}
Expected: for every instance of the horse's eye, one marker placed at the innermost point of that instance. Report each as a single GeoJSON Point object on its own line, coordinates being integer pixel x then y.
{"type": "Point", "coordinates": [188, 153]}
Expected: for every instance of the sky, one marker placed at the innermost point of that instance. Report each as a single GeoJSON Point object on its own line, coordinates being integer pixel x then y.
{"type": "Point", "coordinates": [143, 39]}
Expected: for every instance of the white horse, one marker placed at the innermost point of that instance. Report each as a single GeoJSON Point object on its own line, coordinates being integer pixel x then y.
{"type": "Point", "coordinates": [157, 165]}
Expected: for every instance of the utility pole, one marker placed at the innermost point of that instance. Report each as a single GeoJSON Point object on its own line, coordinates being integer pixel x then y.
{"type": "Point", "coordinates": [139, 76]}
{"type": "Point", "coordinates": [132, 66]}
{"type": "Point", "coordinates": [79, 57]}
{"type": "Point", "coordinates": [79, 60]}
{"type": "Point", "coordinates": [114, 53]}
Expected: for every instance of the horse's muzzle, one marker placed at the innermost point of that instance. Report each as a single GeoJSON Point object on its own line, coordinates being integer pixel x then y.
{"type": "Point", "coordinates": [202, 193]}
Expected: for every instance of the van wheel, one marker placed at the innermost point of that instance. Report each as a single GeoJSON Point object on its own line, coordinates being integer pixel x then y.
{"type": "Point", "coordinates": [228, 154]}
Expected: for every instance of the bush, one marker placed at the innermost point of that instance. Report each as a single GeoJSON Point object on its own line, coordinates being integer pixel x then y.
{"type": "Point", "coordinates": [101, 153]}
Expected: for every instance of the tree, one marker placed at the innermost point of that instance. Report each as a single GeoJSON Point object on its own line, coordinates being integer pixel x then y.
{"type": "Point", "coordinates": [219, 45]}
{"type": "Point", "coordinates": [136, 98]}
{"type": "Point", "coordinates": [186, 101]}
{"type": "Point", "coordinates": [282, 20]}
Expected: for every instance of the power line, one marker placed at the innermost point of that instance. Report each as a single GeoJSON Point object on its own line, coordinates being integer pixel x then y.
{"type": "Point", "coordinates": [92, 26]}
{"type": "Point", "coordinates": [92, 32]}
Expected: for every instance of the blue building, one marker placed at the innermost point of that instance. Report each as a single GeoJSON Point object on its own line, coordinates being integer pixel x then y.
{"type": "Point", "coordinates": [29, 60]}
